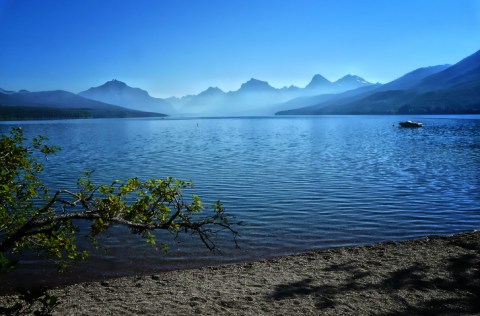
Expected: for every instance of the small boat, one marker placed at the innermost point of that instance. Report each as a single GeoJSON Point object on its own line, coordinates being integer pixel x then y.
{"type": "Point", "coordinates": [411, 124]}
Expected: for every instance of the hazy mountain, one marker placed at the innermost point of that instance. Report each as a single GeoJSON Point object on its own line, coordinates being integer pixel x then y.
{"type": "Point", "coordinates": [6, 91]}
{"type": "Point", "coordinates": [255, 86]}
{"type": "Point", "coordinates": [308, 103]}
{"type": "Point", "coordinates": [350, 82]}
{"type": "Point", "coordinates": [291, 89]}
{"type": "Point", "coordinates": [119, 93]}
{"type": "Point", "coordinates": [465, 71]}
{"type": "Point", "coordinates": [412, 78]}
{"type": "Point", "coordinates": [206, 102]}
{"type": "Point", "coordinates": [211, 91]}
{"type": "Point", "coordinates": [320, 85]}
{"type": "Point", "coordinates": [59, 104]}
{"type": "Point", "coordinates": [433, 90]}
{"type": "Point", "coordinates": [250, 99]}
{"type": "Point", "coordinates": [257, 97]}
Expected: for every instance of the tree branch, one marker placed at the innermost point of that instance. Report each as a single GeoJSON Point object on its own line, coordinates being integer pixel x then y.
{"type": "Point", "coordinates": [141, 206]}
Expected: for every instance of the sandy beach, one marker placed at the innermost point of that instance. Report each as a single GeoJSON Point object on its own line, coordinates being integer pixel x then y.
{"type": "Point", "coordinates": [431, 275]}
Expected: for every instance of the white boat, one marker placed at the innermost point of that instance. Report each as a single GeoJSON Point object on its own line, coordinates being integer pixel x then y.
{"type": "Point", "coordinates": [411, 124]}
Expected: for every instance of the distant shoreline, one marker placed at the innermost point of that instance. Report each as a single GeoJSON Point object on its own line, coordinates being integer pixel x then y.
{"type": "Point", "coordinates": [436, 275]}
{"type": "Point", "coordinates": [18, 113]}
{"type": "Point", "coordinates": [193, 117]}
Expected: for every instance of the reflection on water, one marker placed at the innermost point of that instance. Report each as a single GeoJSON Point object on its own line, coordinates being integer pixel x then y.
{"type": "Point", "coordinates": [296, 182]}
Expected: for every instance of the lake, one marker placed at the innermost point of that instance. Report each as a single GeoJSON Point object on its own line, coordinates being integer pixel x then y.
{"type": "Point", "coordinates": [297, 183]}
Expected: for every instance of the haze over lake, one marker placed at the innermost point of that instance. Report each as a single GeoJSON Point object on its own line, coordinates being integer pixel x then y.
{"type": "Point", "coordinates": [297, 183]}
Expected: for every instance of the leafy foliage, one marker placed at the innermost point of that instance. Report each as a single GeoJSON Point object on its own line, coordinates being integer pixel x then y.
{"type": "Point", "coordinates": [33, 219]}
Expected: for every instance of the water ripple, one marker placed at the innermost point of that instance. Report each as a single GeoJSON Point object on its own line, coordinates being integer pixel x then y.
{"type": "Point", "coordinates": [297, 183]}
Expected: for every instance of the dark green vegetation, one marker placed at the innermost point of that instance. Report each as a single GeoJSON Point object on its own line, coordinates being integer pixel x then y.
{"type": "Point", "coordinates": [10, 113]}
{"type": "Point", "coordinates": [59, 105]}
{"type": "Point", "coordinates": [432, 90]}
{"type": "Point", "coordinates": [34, 219]}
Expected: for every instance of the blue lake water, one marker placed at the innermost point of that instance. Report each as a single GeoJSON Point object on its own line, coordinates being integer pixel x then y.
{"type": "Point", "coordinates": [297, 183]}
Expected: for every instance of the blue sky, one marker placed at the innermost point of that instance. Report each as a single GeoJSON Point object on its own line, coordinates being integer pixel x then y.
{"type": "Point", "coordinates": [179, 47]}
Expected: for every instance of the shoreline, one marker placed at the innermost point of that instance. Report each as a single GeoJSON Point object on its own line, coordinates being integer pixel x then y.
{"type": "Point", "coordinates": [429, 275]}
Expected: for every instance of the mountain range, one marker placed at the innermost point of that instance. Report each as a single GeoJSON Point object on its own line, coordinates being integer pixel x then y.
{"type": "Point", "coordinates": [116, 99]}
{"type": "Point", "coordinates": [59, 104]}
{"type": "Point", "coordinates": [257, 97]}
{"type": "Point", "coordinates": [119, 93]}
{"type": "Point", "coordinates": [442, 89]}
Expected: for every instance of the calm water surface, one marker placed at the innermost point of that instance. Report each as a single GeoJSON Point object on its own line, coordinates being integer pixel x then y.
{"type": "Point", "coordinates": [297, 183]}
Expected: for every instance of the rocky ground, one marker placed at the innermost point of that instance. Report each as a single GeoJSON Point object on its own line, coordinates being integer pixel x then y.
{"type": "Point", "coordinates": [436, 276]}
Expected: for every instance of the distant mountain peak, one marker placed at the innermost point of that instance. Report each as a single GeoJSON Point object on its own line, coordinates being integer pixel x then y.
{"type": "Point", "coordinates": [318, 81]}
{"type": "Point", "coordinates": [211, 91]}
{"type": "Point", "coordinates": [255, 81]}
{"type": "Point", "coordinates": [256, 85]}
{"type": "Point", "coordinates": [214, 89]}
{"type": "Point", "coordinates": [352, 79]}
{"type": "Point", "coordinates": [290, 88]}
{"type": "Point", "coordinates": [114, 83]}
{"type": "Point", "coordinates": [117, 86]}
{"type": "Point", "coordinates": [119, 93]}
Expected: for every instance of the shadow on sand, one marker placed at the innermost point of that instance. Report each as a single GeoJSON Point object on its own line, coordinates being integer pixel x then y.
{"type": "Point", "coordinates": [417, 288]}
